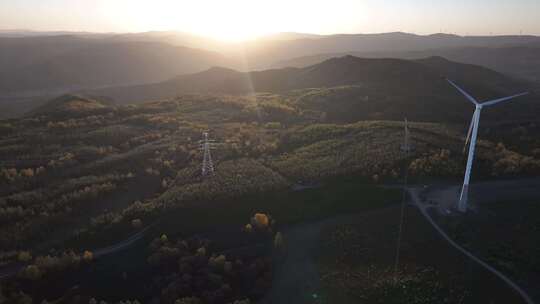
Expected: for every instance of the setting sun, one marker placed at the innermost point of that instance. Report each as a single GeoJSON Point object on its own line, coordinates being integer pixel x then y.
{"type": "Point", "coordinates": [230, 20]}
{"type": "Point", "coordinates": [220, 20]}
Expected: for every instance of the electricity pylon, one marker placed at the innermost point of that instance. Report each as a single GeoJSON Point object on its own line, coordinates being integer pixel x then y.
{"type": "Point", "coordinates": [206, 145]}
{"type": "Point", "coordinates": [407, 146]}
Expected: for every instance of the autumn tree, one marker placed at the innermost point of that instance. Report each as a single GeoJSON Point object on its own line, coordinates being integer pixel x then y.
{"type": "Point", "coordinates": [24, 256]}
{"type": "Point", "coordinates": [31, 272]}
{"type": "Point", "coordinates": [88, 256]}
{"type": "Point", "coordinates": [188, 300]}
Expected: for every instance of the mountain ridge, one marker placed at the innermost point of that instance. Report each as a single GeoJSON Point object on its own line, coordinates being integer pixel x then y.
{"type": "Point", "coordinates": [395, 75]}
{"type": "Point", "coordinates": [35, 64]}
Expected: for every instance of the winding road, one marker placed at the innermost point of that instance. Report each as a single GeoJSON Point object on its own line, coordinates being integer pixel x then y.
{"type": "Point", "coordinates": [297, 279]}
{"type": "Point", "coordinates": [13, 269]}
{"type": "Point", "coordinates": [414, 194]}
{"type": "Point", "coordinates": [298, 276]}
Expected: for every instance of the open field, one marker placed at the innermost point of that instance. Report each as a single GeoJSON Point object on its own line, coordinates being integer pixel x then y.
{"type": "Point", "coordinates": [356, 258]}
{"type": "Point", "coordinates": [505, 235]}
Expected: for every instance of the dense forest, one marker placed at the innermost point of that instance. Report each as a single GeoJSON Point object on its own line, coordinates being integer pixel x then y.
{"type": "Point", "coordinates": [80, 173]}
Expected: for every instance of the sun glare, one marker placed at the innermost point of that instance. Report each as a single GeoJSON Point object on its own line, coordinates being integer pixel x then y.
{"type": "Point", "coordinates": [223, 20]}
{"type": "Point", "coordinates": [230, 20]}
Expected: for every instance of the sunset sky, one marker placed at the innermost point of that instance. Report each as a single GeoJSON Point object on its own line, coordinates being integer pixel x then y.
{"type": "Point", "coordinates": [241, 19]}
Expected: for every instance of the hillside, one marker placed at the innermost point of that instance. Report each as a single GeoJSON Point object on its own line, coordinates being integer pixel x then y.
{"type": "Point", "coordinates": [37, 63]}
{"type": "Point", "coordinates": [522, 61]}
{"type": "Point", "coordinates": [34, 65]}
{"type": "Point", "coordinates": [381, 88]}
{"type": "Point", "coordinates": [71, 106]}
{"type": "Point", "coordinates": [274, 140]}
{"type": "Point", "coordinates": [266, 54]}
{"type": "Point", "coordinates": [74, 185]}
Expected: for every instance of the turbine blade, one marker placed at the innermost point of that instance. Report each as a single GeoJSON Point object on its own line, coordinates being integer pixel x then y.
{"type": "Point", "coordinates": [495, 101]}
{"type": "Point", "coordinates": [469, 97]}
{"type": "Point", "coordinates": [469, 133]}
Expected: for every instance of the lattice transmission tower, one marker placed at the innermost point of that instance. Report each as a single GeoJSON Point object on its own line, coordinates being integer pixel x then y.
{"type": "Point", "coordinates": [206, 145]}
{"type": "Point", "coordinates": [407, 146]}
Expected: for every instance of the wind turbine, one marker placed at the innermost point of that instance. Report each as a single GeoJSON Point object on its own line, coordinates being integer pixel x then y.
{"type": "Point", "coordinates": [472, 135]}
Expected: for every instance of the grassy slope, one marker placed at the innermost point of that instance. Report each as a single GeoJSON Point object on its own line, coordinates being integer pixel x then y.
{"type": "Point", "coordinates": [355, 265]}
{"type": "Point", "coordinates": [265, 143]}
{"type": "Point", "coordinates": [505, 234]}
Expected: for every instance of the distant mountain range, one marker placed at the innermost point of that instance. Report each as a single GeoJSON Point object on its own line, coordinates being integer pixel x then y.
{"type": "Point", "coordinates": [44, 64]}
{"type": "Point", "coordinates": [31, 33]}
{"type": "Point", "coordinates": [402, 75]}
{"type": "Point", "coordinates": [521, 61]}
{"type": "Point", "coordinates": [32, 65]}
{"type": "Point", "coordinates": [274, 51]}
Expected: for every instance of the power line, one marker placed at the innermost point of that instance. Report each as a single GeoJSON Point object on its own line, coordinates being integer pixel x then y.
{"type": "Point", "coordinates": [406, 147]}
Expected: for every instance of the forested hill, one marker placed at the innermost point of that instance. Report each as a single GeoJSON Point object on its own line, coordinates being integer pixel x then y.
{"type": "Point", "coordinates": [381, 88]}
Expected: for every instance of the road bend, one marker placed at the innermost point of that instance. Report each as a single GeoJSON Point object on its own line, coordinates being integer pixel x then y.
{"type": "Point", "coordinates": [413, 192]}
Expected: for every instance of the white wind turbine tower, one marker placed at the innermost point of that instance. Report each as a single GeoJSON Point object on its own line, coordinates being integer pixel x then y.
{"type": "Point", "coordinates": [472, 134]}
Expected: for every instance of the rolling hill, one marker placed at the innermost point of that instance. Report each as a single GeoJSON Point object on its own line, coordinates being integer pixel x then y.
{"type": "Point", "coordinates": [367, 88]}
{"type": "Point", "coordinates": [266, 54]}
{"type": "Point", "coordinates": [81, 172]}
{"type": "Point", "coordinates": [72, 106]}
{"type": "Point", "coordinates": [40, 63]}
{"type": "Point", "coordinates": [522, 61]}
{"type": "Point", "coordinates": [37, 68]}
{"type": "Point", "coordinates": [35, 65]}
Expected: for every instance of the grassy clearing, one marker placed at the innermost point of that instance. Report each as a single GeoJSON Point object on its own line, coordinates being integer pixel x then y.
{"type": "Point", "coordinates": [505, 234]}
{"type": "Point", "coordinates": [225, 219]}
{"type": "Point", "coordinates": [355, 265]}
{"type": "Point", "coordinates": [287, 207]}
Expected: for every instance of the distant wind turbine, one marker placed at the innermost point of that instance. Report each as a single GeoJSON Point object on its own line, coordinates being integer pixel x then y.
{"type": "Point", "coordinates": [472, 135]}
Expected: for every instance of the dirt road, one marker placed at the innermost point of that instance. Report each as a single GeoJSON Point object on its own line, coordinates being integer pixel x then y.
{"type": "Point", "coordinates": [297, 279]}
{"type": "Point", "coordinates": [415, 197]}
{"type": "Point", "coordinates": [13, 269]}
{"type": "Point", "coordinates": [445, 196]}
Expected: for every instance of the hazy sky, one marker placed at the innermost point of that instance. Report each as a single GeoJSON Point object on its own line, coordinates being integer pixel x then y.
{"type": "Point", "coordinates": [237, 19]}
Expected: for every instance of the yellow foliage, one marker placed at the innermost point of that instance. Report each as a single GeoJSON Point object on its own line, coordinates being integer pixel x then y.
{"type": "Point", "coordinates": [218, 262]}
{"type": "Point", "coordinates": [260, 220]}
{"type": "Point", "coordinates": [31, 272]}
{"type": "Point", "coordinates": [136, 223]}
{"type": "Point", "coordinates": [201, 251]}
{"type": "Point", "coordinates": [278, 240]}
{"type": "Point", "coordinates": [24, 256]}
{"type": "Point", "coordinates": [88, 256]}
{"type": "Point", "coordinates": [27, 172]}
